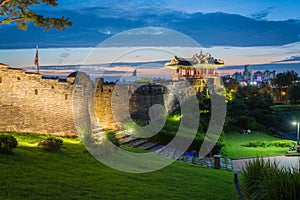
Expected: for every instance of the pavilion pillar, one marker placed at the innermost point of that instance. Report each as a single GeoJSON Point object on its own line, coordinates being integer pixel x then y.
{"type": "Point", "coordinates": [172, 74]}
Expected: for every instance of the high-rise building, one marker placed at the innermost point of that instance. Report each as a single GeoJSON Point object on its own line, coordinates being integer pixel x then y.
{"type": "Point", "coordinates": [247, 73]}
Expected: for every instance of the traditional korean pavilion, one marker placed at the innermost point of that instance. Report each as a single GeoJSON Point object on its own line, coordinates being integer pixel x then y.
{"type": "Point", "coordinates": [198, 67]}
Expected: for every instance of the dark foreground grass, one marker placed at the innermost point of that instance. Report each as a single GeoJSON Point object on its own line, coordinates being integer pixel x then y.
{"type": "Point", "coordinates": [72, 173]}
{"type": "Point", "coordinates": [236, 145]}
{"type": "Point", "coordinates": [266, 180]}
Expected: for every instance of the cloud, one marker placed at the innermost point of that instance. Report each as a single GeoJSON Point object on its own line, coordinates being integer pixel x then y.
{"type": "Point", "coordinates": [262, 14]}
{"type": "Point", "coordinates": [292, 59]}
{"type": "Point", "coordinates": [106, 32]}
{"type": "Point", "coordinates": [93, 25]}
{"type": "Point", "coordinates": [147, 31]}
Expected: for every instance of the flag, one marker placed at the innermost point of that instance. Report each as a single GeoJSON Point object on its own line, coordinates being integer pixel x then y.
{"type": "Point", "coordinates": [36, 59]}
{"type": "Point", "coordinates": [134, 72]}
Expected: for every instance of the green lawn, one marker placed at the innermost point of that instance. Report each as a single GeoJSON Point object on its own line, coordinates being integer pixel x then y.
{"type": "Point", "coordinates": [72, 173]}
{"type": "Point", "coordinates": [234, 145]}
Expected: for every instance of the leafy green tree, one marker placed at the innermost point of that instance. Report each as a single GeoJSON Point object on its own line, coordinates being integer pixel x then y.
{"type": "Point", "coordinates": [231, 86]}
{"type": "Point", "coordinates": [21, 13]}
{"type": "Point", "coordinates": [246, 92]}
{"type": "Point", "coordinates": [250, 107]}
{"type": "Point", "coordinates": [293, 93]}
{"type": "Point", "coordinates": [230, 83]}
{"type": "Point", "coordinates": [282, 81]}
{"type": "Point", "coordinates": [237, 108]}
{"type": "Point", "coordinates": [205, 111]}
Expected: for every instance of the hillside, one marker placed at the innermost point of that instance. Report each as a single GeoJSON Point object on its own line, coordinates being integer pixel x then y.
{"type": "Point", "coordinates": [72, 173]}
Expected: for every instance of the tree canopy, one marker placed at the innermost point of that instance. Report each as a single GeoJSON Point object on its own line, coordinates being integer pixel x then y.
{"type": "Point", "coordinates": [282, 82]}
{"type": "Point", "coordinates": [285, 79]}
{"type": "Point", "coordinates": [21, 13]}
{"type": "Point", "coordinates": [293, 93]}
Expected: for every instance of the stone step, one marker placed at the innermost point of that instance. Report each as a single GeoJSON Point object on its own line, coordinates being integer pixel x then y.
{"type": "Point", "coordinates": [137, 142]}
{"type": "Point", "coordinates": [126, 140]}
{"type": "Point", "coordinates": [147, 145]}
{"type": "Point", "coordinates": [96, 130]}
{"type": "Point", "coordinates": [121, 136]}
{"type": "Point", "coordinates": [155, 148]}
{"type": "Point", "coordinates": [98, 136]}
{"type": "Point", "coordinates": [167, 152]}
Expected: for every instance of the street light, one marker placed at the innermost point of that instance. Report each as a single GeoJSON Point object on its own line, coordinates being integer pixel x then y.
{"type": "Point", "coordinates": [297, 123]}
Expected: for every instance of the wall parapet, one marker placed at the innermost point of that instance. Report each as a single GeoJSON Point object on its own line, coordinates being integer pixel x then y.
{"type": "Point", "coordinates": [30, 102]}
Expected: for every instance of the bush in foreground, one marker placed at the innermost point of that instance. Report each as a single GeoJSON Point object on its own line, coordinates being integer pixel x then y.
{"type": "Point", "coordinates": [265, 180]}
{"type": "Point", "coordinates": [278, 143]}
{"type": "Point", "coordinates": [7, 143]}
{"type": "Point", "coordinates": [51, 144]}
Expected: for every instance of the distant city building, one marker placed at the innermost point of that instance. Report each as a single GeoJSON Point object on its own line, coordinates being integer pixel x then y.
{"type": "Point", "coordinates": [238, 76]}
{"type": "Point", "coordinates": [247, 74]}
{"type": "Point", "coordinates": [257, 78]}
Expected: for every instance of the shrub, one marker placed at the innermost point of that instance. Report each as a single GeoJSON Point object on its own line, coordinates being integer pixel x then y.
{"type": "Point", "coordinates": [265, 180]}
{"type": "Point", "coordinates": [282, 143]}
{"type": "Point", "coordinates": [7, 143]}
{"type": "Point", "coordinates": [51, 144]}
{"type": "Point", "coordinates": [256, 144]}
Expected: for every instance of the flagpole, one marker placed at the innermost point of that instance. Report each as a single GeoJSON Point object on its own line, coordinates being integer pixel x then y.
{"type": "Point", "coordinates": [134, 73]}
{"type": "Point", "coordinates": [37, 59]}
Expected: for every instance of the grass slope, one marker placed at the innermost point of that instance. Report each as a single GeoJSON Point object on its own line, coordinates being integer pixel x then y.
{"type": "Point", "coordinates": [234, 145]}
{"type": "Point", "coordinates": [72, 173]}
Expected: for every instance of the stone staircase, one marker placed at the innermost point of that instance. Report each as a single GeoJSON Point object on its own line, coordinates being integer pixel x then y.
{"type": "Point", "coordinates": [98, 133]}
{"type": "Point", "coordinates": [167, 151]}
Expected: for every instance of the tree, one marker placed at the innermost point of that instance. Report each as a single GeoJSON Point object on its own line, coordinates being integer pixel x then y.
{"type": "Point", "coordinates": [246, 92]}
{"type": "Point", "coordinates": [282, 81]}
{"type": "Point", "coordinates": [238, 115]}
{"type": "Point", "coordinates": [250, 107]}
{"type": "Point", "coordinates": [285, 79]}
{"type": "Point", "coordinates": [230, 83]}
{"type": "Point", "coordinates": [293, 93]}
{"type": "Point", "coordinates": [21, 13]}
{"type": "Point", "coordinates": [231, 86]}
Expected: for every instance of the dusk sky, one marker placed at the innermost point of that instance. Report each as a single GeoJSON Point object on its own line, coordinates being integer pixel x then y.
{"type": "Point", "coordinates": [238, 31]}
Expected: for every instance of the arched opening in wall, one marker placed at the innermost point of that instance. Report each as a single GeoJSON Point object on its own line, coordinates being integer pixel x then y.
{"type": "Point", "coordinates": [36, 92]}
{"type": "Point", "coordinates": [0, 79]}
{"type": "Point", "coordinates": [66, 96]}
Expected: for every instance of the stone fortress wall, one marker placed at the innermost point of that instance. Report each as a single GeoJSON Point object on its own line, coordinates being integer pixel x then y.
{"type": "Point", "coordinates": [32, 103]}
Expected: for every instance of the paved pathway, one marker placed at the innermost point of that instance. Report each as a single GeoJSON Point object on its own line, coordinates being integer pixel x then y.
{"type": "Point", "coordinates": [282, 161]}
